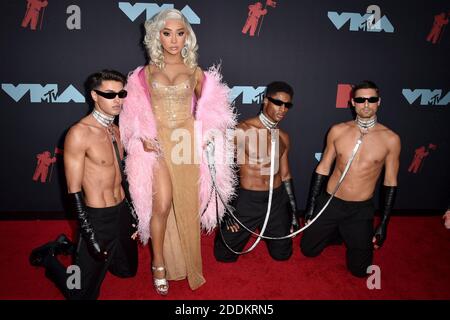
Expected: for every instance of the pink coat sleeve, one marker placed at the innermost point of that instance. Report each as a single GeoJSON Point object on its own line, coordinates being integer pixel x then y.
{"type": "Point", "coordinates": [216, 115]}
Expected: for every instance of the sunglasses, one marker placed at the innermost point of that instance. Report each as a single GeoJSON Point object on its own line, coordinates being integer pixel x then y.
{"type": "Point", "coordinates": [362, 99]}
{"type": "Point", "coordinates": [111, 95]}
{"type": "Point", "coordinates": [280, 103]}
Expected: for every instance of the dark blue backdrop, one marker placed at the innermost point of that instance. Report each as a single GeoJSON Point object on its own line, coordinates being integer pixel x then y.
{"type": "Point", "coordinates": [313, 45]}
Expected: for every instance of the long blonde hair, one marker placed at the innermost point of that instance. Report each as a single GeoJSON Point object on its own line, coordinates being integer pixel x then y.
{"type": "Point", "coordinates": [152, 42]}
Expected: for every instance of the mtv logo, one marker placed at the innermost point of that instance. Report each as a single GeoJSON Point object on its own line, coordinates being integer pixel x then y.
{"type": "Point", "coordinates": [249, 94]}
{"type": "Point", "coordinates": [427, 96]}
{"type": "Point", "coordinates": [360, 22]}
{"type": "Point", "coordinates": [343, 95]}
{"type": "Point", "coordinates": [47, 93]}
{"type": "Point", "coordinates": [132, 11]}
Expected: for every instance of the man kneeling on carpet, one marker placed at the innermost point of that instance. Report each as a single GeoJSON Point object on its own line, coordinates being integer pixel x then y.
{"type": "Point", "coordinates": [254, 137]}
{"type": "Point", "coordinates": [350, 214]}
{"type": "Point", "coordinates": [93, 172]}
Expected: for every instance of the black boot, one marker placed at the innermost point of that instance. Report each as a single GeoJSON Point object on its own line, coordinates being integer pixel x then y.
{"type": "Point", "coordinates": [62, 245]}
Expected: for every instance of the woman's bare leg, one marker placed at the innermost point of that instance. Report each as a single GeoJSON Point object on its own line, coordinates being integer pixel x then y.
{"type": "Point", "coordinates": [162, 202]}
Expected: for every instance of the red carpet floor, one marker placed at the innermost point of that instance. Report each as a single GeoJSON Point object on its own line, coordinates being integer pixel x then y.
{"type": "Point", "coordinates": [415, 264]}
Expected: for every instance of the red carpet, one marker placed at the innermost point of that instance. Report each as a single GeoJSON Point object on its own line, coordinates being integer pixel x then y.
{"type": "Point", "coordinates": [415, 264]}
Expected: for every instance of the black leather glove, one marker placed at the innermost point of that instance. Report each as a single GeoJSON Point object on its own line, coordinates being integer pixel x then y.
{"type": "Point", "coordinates": [317, 182]}
{"type": "Point", "coordinates": [86, 229]}
{"type": "Point", "coordinates": [228, 220]}
{"type": "Point", "coordinates": [134, 216]}
{"type": "Point", "coordinates": [388, 196]}
{"type": "Point", "coordinates": [289, 185]}
{"type": "Point", "coordinates": [129, 202]}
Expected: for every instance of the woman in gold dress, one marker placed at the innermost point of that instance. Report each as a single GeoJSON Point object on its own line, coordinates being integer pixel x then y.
{"type": "Point", "coordinates": [169, 180]}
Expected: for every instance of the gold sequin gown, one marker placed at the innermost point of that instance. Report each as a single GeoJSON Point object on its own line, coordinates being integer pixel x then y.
{"type": "Point", "coordinates": [171, 105]}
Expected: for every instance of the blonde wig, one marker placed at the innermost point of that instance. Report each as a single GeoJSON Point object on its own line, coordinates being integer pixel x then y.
{"type": "Point", "coordinates": [152, 42]}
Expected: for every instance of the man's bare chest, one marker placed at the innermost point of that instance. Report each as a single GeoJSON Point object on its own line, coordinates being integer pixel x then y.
{"type": "Point", "coordinates": [101, 150]}
{"type": "Point", "coordinates": [371, 153]}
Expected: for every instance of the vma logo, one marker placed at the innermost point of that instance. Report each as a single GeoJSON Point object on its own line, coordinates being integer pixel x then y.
{"type": "Point", "coordinates": [249, 94]}
{"type": "Point", "coordinates": [133, 11]}
{"type": "Point", "coordinates": [427, 96]}
{"type": "Point", "coordinates": [47, 93]}
{"type": "Point", "coordinates": [371, 21]}
{"type": "Point", "coordinates": [318, 156]}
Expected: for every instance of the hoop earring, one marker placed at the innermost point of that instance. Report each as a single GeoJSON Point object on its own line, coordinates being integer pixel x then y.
{"type": "Point", "coordinates": [184, 52]}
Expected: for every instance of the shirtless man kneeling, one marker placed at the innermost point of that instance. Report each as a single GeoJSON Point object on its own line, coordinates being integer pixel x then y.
{"type": "Point", "coordinates": [253, 140]}
{"type": "Point", "coordinates": [350, 214]}
{"type": "Point", "coordinates": [106, 226]}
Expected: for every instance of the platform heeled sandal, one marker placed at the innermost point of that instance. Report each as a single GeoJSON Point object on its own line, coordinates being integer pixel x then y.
{"type": "Point", "coordinates": [161, 285]}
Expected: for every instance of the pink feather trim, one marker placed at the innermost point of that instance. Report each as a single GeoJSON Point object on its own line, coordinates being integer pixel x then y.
{"type": "Point", "coordinates": [137, 121]}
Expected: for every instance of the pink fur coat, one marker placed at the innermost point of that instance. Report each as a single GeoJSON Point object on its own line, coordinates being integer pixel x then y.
{"type": "Point", "coordinates": [212, 111]}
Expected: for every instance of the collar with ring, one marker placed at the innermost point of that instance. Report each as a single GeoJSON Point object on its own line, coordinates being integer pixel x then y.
{"type": "Point", "coordinates": [365, 125]}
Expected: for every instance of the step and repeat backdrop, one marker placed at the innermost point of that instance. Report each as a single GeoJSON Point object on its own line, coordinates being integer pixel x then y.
{"type": "Point", "coordinates": [321, 48]}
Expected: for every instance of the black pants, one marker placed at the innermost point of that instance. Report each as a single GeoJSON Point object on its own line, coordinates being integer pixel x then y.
{"type": "Point", "coordinates": [251, 208]}
{"type": "Point", "coordinates": [353, 221]}
{"type": "Point", "coordinates": [113, 231]}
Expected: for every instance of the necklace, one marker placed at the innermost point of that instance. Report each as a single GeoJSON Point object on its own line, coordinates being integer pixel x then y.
{"type": "Point", "coordinates": [269, 124]}
{"type": "Point", "coordinates": [103, 119]}
{"type": "Point", "coordinates": [365, 125]}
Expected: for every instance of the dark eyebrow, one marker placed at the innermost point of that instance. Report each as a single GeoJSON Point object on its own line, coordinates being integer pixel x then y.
{"type": "Point", "coordinates": [168, 29]}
